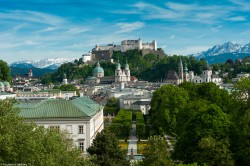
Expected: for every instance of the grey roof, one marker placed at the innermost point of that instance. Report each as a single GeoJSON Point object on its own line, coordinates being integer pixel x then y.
{"type": "Point", "coordinates": [142, 103]}
{"type": "Point", "coordinates": [172, 75]}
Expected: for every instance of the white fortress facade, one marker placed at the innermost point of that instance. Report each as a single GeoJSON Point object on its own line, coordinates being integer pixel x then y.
{"type": "Point", "coordinates": [128, 45]}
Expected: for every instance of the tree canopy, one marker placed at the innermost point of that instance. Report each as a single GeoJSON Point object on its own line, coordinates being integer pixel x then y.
{"type": "Point", "coordinates": [26, 143]}
{"type": "Point", "coordinates": [4, 71]}
{"type": "Point", "coordinates": [106, 150]}
{"type": "Point", "coordinates": [156, 152]}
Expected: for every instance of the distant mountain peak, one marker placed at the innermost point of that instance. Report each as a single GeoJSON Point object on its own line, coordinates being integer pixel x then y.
{"type": "Point", "coordinates": [49, 63]}
{"type": "Point", "coordinates": [219, 53]}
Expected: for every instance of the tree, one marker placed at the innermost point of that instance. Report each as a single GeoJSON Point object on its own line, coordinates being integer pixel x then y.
{"type": "Point", "coordinates": [241, 119]}
{"type": "Point", "coordinates": [107, 151]}
{"type": "Point", "coordinates": [4, 71]}
{"type": "Point", "coordinates": [156, 152]}
{"type": "Point", "coordinates": [29, 144]}
{"type": "Point", "coordinates": [167, 101]}
{"type": "Point", "coordinates": [205, 138]}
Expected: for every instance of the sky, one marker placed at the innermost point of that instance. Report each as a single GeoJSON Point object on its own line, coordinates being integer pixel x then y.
{"type": "Point", "coordinates": [38, 29]}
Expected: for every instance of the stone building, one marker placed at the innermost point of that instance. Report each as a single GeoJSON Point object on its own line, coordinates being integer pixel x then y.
{"type": "Point", "coordinates": [184, 75]}
{"type": "Point", "coordinates": [81, 118]}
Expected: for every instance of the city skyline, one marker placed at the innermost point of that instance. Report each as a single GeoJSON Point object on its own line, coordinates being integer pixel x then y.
{"type": "Point", "coordinates": [68, 29]}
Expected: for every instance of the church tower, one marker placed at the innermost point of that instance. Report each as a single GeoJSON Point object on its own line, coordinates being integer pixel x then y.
{"type": "Point", "coordinates": [30, 74]}
{"type": "Point", "coordinates": [118, 72]}
{"type": "Point", "coordinates": [180, 70]}
{"type": "Point", "coordinates": [186, 75]}
{"type": "Point", "coordinates": [65, 80]}
{"type": "Point", "coordinates": [127, 71]}
{"type": "Point", "coordinates": [207, 74]}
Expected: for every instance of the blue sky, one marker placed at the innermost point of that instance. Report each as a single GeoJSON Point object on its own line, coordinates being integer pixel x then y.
{"type": "Point", "coordinates": [37, 29]}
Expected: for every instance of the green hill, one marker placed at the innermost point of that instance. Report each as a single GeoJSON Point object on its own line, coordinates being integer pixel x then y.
{"type": "Point", "coordinates": [36, 71]}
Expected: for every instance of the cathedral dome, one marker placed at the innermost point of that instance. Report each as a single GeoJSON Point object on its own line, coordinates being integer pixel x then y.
{"type": "Point", "coordinates": [207, 67]}
{"type": "Point", "coordinates": [98, 69]}
{"type": "Point", "coordinates": [1, 84]}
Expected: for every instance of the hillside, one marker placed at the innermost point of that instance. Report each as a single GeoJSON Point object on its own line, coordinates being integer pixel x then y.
{"type": "Point", "coordinates": [36, 71]}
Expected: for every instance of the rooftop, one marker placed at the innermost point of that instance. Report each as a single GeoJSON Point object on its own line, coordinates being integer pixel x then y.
{"type": "Point", "coordinates": [59, 108]}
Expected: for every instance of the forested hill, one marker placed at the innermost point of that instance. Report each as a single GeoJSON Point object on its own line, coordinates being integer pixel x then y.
{"type": "Point", "coordinates": [149, 67]}
{"type": "Point", "coordinates": [36, 71]}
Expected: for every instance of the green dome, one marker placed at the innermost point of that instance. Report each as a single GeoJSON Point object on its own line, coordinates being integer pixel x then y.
{"type": "Point", "coordinates": [1, 84]}
{"type": "Point", "coordinates": [98, 70]}
{"type": "Point", "coordinates": [6, 83]}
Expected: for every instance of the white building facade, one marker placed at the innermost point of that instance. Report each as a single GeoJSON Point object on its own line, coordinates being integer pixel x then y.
{"type": "Point", "coordinates": [122, 75]}
{"type": "Point", "coordinates": [80, 118]}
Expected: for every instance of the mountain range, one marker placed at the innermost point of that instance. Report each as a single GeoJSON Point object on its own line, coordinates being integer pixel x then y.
{"type": "Point", "coordinates": [221, 53]}
{"type": "Point", "coordinates": [49, 63]}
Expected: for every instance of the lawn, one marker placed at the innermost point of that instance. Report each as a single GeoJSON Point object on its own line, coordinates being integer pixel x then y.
{"type": "Point", "coordinates": [140, 146]}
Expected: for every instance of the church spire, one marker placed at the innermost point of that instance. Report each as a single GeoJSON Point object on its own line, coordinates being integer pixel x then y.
{"type": "Point", "coordinates": [180, 69]}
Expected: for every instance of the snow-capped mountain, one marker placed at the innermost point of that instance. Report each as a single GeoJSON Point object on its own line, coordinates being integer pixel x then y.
{"type": "Point", "coordinates": [245, 48]}
{"type": "Point", "coordinates": [220, 53]}
{"type": "Point", "coordinates": [49, 63]}
{"type": "Point", "coordinates": [228, 47]}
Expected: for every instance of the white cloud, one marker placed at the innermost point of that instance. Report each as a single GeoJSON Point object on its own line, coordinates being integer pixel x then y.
{"type": "Point", "coordinates": [205, 14]}
{"type": "Point", "coordinates": [216, 29]}
{"type": "Point", "coordinates": [237, 18]}
{"type": "Point", "coordinates": [31, 16]}
{"type": "Point", "coordinates": [48, 29]}
{"type": "Point", "coordinates": [242, 5]}
{"type": "Point", "coordinates": [128, 27]}
{"type": "Point", "coordinates": [77, 30]}
{"type": "Point", "coordinates": [172, 37]}
{"type": "Point", "coordinates": [150, 11]}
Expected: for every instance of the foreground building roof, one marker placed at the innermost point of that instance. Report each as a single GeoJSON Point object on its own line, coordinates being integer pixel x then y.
{"type": "Point", "coordinates": [81, 107]}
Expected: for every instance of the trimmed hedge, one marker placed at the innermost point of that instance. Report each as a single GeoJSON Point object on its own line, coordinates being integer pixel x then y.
{"type": "Point", "coordinates": [140, 125]}
{"type": "Point", "coordinates": [121, 124]}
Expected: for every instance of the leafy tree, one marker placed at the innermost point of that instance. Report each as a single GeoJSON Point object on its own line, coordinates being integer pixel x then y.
{"type": "Point", "coordinates": [112, 106]}
{"type": "Point", "coordinates": [106, 150]}
{"type": "Point", "coordinates": [167, 101]}
{"type": "Point", "coordinates": [156, 152]}
{"type": "Point", "coordinates": [207, 131]}
{"type": "Point", "coordinates": [183, 116]}
{"type": "Point", "coordinates": [23, 142]}
{"type": "Point", "coordinates": [4, 71]}
{"type": "Point", "coordinates": [241, 119]}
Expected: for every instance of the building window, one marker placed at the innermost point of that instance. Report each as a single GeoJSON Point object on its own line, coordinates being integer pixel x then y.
{"type": "Point", "coordinates": [81, 146]}
{"type": "Point", "coordinates": [80, 129]}
{"type": "Point", "coordinates": [69, 128]}
{"type": "Point", "coordinates": [55, 128]}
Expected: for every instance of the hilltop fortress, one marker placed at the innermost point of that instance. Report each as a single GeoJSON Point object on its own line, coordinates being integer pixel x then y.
{"type": "Point", "coordinates": [106, 52]}
{"type": "Point", "coordinates": [128, 45]}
